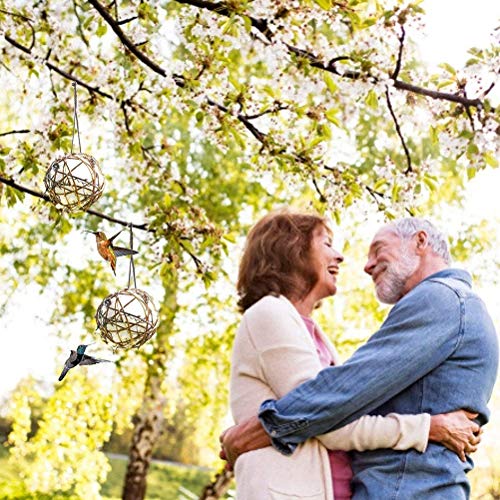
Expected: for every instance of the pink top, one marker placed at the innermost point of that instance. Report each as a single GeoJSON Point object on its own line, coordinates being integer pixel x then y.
{"type": "Point", "coordinates": [340, 462]}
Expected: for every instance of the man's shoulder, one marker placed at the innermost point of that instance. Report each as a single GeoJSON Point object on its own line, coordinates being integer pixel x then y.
{"type": "Point", "coordinates": [448, 281]}
{"type": "Point", "coordinates": [432, 296]}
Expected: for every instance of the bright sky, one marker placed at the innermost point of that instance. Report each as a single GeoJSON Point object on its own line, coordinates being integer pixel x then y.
{"type": "Point", "coordinates": [28, 347]}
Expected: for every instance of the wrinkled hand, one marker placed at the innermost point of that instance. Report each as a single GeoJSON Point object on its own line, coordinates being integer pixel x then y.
{"type": "Point", "coordinates": [247, 436]}
{"type": "Point", "coordinates": [223, 454]}
{"type": "Point", "coordinates": [457, 431]}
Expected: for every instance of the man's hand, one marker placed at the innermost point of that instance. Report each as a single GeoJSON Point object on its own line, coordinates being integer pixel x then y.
{"type": "Point", "coordinates": [457, 431]}
{"type": "Point", "coordinates": [247, 436]}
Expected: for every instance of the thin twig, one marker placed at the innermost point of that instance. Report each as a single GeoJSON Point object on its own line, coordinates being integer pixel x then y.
{"type": "Point", "coordinates": [24, 18]}
{"type": "Point", "coordinates": [275, 109]}
{"type": "Point", "coordinates": [401, 38]}
{"type": "Point", "coordinates": [398, 130]}
{"type": "Point", "coordinates": [322, 197]}
{"type": "Point", "coordinates": [24, 131]}
{"type": "Point", "coordinates": [80, 27]}
{"type": "Point", "coordinates": [126, 21]}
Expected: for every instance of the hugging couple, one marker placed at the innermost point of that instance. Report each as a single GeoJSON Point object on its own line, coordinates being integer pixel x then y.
{"type": "Point", "coordinates": [399, 419]}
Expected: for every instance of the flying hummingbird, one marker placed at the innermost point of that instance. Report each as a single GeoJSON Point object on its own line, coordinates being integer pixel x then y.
{"type": "Point", "coordinates": [108, 251]}
{"type": "Point", "coordinates": [79, 357]}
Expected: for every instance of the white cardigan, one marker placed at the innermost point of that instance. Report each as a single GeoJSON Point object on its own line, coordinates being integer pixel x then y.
{"type": "Point", "coordinates": [273, 353]}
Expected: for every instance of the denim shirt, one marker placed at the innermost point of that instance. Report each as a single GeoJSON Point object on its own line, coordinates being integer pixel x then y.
{"type": "Point", "coordinates": [436, 352]}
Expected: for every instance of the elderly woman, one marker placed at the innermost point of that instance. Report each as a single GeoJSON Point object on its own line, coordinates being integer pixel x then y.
{"type": "Point", "coordinates": [289, 264]}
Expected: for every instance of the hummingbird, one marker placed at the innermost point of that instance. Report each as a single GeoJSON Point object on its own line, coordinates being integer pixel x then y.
{"type": "Point", "coordinates": [79, 357]}
{"type": "Point", "coordinates": [107, 250]}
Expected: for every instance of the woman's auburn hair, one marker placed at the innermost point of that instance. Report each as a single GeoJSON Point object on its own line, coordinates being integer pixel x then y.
{"type": "Point", "coordinates": [277, 257]}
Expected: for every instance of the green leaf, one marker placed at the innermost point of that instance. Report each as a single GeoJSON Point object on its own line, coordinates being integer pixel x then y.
{"type": "Point", "coordinates": [325, 131]}
{"type": "Point", "coordinates": [445, 83]}
{"type": "Point", "coordinates": [490, 159]}
{"type": "Point", "coordinates": [332, 86]}
{"type": "Point", "coordinates": [433, 134]}
{"type": "Point", "coordinates": [381, 182]}
{"type": "Point", "coordinates": [471, 172]}
{"type": "Point", "coordinates": [371, 99]}
{"type": "Point", "coordinates": [450, 69]}
{"type": "Point", "coordinates": [429, 182]}
{"type": "Point", "coordinates": [324, 4]}
{"type": "Point", "coordinates": [101, 29]}
{"type": "Point", "coordinates": [472, 149]}
{"type": "Point", "coordinates": [331, 116]}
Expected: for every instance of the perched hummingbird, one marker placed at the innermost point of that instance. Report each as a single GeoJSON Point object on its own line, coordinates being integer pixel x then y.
{"type": "Point", "coordinates": [79, 357]}
{"type": "Point", "coordinates": [107, 250]}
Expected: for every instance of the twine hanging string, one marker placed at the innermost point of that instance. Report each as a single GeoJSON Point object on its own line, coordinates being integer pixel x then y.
{"type": "Point", "coordinates": [75, 122]}
{"type": "Point", "coordinates": [131, 269]}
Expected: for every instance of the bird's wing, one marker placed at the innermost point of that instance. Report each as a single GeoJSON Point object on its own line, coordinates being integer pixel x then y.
{"type": "Point", "coordinates": [120, 251]}
{"type": "Point", "coordinates": [69, 363]}
{"type": "Point", "coordinates": [63, 373]}
{"type": "Point", "coordinates": [90, 360]}
{"type": "Point", "coordinates": [114, 236]}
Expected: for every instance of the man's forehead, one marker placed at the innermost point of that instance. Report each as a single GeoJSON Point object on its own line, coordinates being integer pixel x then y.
{"type": "Point", "coordinates": [384, 234]}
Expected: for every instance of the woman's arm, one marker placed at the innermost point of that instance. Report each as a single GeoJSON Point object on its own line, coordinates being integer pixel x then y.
{"type": "Point", "coordinates": [287, 357]}
{"type": "Point", "coordinates": [454, 430]}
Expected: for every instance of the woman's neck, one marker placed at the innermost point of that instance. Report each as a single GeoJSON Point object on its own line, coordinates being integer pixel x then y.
{"type": "Point", "coordinates": [304, 306]}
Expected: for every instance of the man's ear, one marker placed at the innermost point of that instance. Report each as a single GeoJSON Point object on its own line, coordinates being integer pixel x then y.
{"type": "Point", "coordinates": [421, 240]}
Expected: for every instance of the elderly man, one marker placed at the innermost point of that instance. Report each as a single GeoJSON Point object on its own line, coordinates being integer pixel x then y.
{"type": "Point", "coordinates": [436, 352]}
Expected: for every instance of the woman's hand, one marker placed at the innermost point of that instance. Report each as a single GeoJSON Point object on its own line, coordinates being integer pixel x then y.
{"type": "Point", "coordinates": [457, 431]}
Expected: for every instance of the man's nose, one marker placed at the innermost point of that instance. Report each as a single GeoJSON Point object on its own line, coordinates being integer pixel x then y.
{"type": "Point", "coordinates": [370, 264]}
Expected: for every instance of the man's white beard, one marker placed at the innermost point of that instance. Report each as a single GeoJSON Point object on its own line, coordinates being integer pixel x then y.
{"type": "Point", "coordinates": [392, 285]}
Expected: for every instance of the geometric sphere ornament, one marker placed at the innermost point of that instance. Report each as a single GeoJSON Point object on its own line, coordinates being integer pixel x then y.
{"type": "Point", "coordinates": [74, 182]}
{"type": "Point", "coordinates": [127, 318]}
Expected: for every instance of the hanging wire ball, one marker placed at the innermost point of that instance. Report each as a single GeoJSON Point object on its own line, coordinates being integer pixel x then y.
{"type": "Point", "coordinates": [74, 182]}
{"type": "Point", "coordinates": [127, 318]}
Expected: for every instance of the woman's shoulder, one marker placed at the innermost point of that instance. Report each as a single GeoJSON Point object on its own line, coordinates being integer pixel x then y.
{"type": "Point", "coordinates": [268, 304]}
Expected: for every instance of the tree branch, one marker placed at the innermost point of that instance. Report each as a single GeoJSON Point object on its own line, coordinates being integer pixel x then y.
{"type": "Point", "coordinates": [61, 72]}
{"type": "Point", "coordinates": [38, 194]}
{"type": "Point", "coordinates": [143, 227]}
{"type": "Point", "coordinates": [126, 21]}
{"type": "Point", "coordinates": [28, 20]}
{"type": "Point", "coordinates": [395, 74]}
{"type": "Point", "coordinates": [316, 62]}
{"type": "Point", "coordinates": [125, 39]}
{"type": "Point", "coordinates": [398, 130]}
{"type": "Point", "coordinates": [25, 131]}
{"type": "Point", "coordinates": [223, 10]}
{"type": "Point", "coordinates": [275, 109]}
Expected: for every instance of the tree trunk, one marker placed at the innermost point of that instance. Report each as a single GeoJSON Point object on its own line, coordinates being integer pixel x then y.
{"type": "Point", "coordinates": [218, 487]}
{"type": "Point", "coordinates": [148, 428]}
{"type": "Point", "coordinates": [148, 424]}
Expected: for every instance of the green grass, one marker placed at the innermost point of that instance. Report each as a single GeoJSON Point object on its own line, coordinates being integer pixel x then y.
{"type": "Point", "coordinates": [164, 482]}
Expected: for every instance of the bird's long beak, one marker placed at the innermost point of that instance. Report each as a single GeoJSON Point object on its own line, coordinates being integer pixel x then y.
{"type": "Point", "coordinates": [92, 232]}
{"type": "Point", "coordinates": [86, 345]}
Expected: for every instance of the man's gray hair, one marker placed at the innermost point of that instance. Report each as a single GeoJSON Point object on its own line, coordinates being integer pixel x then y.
{"type": "Point", "coordinates": [407, 227]}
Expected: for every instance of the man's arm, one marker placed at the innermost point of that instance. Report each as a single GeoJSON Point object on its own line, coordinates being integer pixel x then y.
{"type": "Point", "coordinates": [420, 333]}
